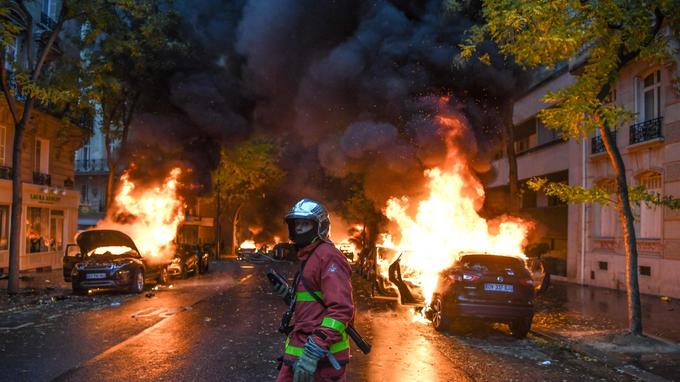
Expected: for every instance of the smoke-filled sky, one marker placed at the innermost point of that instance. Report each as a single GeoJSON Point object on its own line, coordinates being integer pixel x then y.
{"type": "Point", "coordinates": [349, 87]}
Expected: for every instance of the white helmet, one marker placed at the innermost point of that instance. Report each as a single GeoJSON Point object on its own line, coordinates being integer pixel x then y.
{"type": "Point", "coordinates": [308, 209]}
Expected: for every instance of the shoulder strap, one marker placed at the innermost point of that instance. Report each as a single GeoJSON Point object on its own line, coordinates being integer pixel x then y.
{"type": "Point", "coordinates": [304, 283]}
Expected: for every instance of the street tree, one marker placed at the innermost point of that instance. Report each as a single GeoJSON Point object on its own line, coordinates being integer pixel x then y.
{"type": "Point", "coordinates": [127, 53]}
{"type": "Point", "coordinates": [245, 172]}
{"type": "Point", "coordinates": [607, 35]}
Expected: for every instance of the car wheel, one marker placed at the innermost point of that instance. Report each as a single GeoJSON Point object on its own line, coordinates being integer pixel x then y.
{"type": "Point", "coordinates": [163, 277]}
{"type": "Point", "coordinates": [184, 272]}
{"type": "Point", "coordinates": [440, 317]}
{"type": "Point", "coordinates": [137, 285]}
{"type": "Point", "coordinates": [77, 290]}
{"type": "Point", "coordinates": [520, 328]}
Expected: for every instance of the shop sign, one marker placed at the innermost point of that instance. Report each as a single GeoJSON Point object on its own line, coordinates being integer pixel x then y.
{"type": "Point", "coordinates": [45, 198]}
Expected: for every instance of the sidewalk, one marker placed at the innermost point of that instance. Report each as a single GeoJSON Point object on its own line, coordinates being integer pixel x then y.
{"type": "Point", "coordinates": [36, 288]}
{"type": "Point", "coordinates": [593, 321]}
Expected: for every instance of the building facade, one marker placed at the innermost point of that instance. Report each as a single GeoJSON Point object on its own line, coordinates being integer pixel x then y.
{"type": "Point", "coordinates": [50, 203]}
{"type": "Point", "coordinates": [590, 248]}
{"type": "Point", "coordinates": [91, 178]}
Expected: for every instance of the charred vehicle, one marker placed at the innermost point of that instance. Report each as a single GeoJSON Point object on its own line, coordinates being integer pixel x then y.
{"type": "Point", "coordinates": [109, 259]}
{"type": "Point", "coordinates": [486, 287]}
{"type": "Point", "coordinates": [189, 259]}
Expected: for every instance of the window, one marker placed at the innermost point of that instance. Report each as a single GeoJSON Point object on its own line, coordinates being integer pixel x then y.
{"type": "Point", "coordinates": [3, 145]}
{"type": "Point", "coordinates": [42, 156]}
{"type": "Point", "coordinates": [56, 239]}
{"type": "Point", "coordinates": [12, 53]}
{"type": "Point", "coordinates": [649, 226]}
{"type": "Point", "coordinates": [645, 270]}
{"type": "Point", "coordinates": [4, 227]}
{"type": "Point", "coordinates": [602, 265]}
{"type": "Point", "coordinates": [37, 229]}
{"type": "Point", "coordinates": [651, 96]}
{"type": "Point", "coordinates": [83, 193]}
{"type": "Point", "coordinates": [44, 230]}
{"type": "Point", "coordinates": [47, 7]}
{"type": "Point", "coordinates": [606, 221]}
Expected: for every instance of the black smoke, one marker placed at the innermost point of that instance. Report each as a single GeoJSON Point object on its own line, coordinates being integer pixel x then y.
{"type": "Point", "coordinates": [350, 88]}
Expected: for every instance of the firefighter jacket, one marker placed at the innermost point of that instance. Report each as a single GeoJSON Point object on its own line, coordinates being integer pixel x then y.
{"type": "Point", "coordinates": [327, 273]}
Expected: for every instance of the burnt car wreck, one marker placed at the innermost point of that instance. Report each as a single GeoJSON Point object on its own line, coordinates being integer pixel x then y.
{"type": "Point", "coordinates": [109, 259]}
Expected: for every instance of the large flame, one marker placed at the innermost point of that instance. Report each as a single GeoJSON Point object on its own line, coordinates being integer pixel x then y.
{"type": "Point", "coordinates": [248, 244]}
{"type": "Point", "coordinates": [150, 216]}
{"type": "Point", "coordinates": [446, 222]}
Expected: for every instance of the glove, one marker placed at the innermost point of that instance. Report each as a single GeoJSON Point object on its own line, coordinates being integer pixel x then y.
{"type": "Point", "coordinates": [305, 367]}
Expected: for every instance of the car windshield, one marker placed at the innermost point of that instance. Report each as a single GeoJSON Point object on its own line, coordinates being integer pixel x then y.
{"type": "Point", "coordinates": [490, 263]}
{"type": "Point", "coordinates": [111, 251]}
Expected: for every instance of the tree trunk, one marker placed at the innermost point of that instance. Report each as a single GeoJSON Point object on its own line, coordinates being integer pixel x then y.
{"type": "Point", "coordinates": [17, 207]}
{"type": "Point", "coordinates": [233, 231]}
{"type": "Point", "coordinates": [509, 140]}
{"type": "Point", "coordinates": [218, 225]}
{"type": "Point", "coordinates": [627, 221]}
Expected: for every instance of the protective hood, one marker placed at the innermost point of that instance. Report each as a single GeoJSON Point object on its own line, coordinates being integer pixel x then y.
{"type": "Point", "coordinates": [92, 239]}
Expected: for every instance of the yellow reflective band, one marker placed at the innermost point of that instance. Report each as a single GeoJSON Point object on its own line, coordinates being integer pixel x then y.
{"type": "Point", "coordinates": [332, 323]}
{"type": "Point", "coordinates": [306, 296]}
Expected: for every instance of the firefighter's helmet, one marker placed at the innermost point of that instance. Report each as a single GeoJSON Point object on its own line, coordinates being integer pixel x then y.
{"type": "Point", "coordinates": [309, 209]}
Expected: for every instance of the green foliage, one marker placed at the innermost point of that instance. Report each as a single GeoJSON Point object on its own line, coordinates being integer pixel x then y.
{"type": "Point", "coordinates": [539, 33]}
{"type": "Point", "coordinates": [578, 194]}
{"type": "Point", "coordinates": [247, 170]}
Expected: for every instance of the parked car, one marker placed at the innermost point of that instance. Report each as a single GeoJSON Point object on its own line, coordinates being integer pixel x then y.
{"type": "Point", "coordinates": [109, 259]}
{"type": "Point", "coordinates": [485, 287]}
{"type": "Point", "coordinates": [188, 259]}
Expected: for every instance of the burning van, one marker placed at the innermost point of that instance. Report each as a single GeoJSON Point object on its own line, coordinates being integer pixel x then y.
{"type": "Point", "coordinates": [109, 259]}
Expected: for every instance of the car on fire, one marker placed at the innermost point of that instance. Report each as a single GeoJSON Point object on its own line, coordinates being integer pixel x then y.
{"type": "Point", "coordinates": [189, 259]}
{"type": "Point", "coordinates": [109, 259]}
{"type": "Point", "coordinates": [486, 287]}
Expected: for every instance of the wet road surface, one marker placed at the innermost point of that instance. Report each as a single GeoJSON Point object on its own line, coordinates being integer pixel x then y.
{"type": "Point", "coordinates": [222, 326]}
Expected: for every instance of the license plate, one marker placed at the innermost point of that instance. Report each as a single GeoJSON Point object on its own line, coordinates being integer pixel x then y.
{"type": "Point", "coordinates": [95, 276]}
{"type": "Point", "coordinates": [499, 288]}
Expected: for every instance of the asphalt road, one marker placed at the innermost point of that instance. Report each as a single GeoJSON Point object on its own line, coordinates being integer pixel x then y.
{"type": "Point", "coordinates": [222, 327]}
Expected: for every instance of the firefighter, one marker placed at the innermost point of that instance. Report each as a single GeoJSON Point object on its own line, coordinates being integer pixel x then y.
{"type": "Point", "coordinates": [317, 346]}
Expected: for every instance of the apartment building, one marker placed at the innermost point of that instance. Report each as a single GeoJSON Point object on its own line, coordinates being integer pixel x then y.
{"type": "Point", "coordinates": [50, 203]}
{"type": "Point", "coordinates": [586, 241]}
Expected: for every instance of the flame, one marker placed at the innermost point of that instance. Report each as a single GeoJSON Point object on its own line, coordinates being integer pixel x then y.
{"type": "Point", "coordinates": [114, 250]}
{"type": "Point", "coordinates": [149, 216]}
{"type": "Point", "coordinates": [446, 222]}
{"type": "Point", "coordinates": [248, 244]}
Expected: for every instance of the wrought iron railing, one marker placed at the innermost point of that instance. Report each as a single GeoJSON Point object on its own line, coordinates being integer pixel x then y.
{"type": "Point", "coordinates": [47, 21]}
{"type": "Point", "coordinates": [5, 172]}
{"type": "Point", "coordinates": [645, 131]}
{"type": "Point", "coordinates": [40, 178]}
{"type": "Point", "coordinates": [91, 165]}
{"type": "Point", "coordinates": [596, 145]}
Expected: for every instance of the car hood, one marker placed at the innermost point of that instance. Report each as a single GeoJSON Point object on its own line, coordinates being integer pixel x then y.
{"type": "Point", "coordinates": [93, 239]}
{"type": "Point", "coordinates": [99, 260]}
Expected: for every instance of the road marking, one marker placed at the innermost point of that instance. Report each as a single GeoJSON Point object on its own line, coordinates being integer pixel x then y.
{"type": "Point", "coordinates": [245, 278]}
{"type": "Point", "coordinates": [16, 327]}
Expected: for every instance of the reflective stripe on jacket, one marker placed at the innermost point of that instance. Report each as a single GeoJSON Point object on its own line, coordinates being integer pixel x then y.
{"type": "Point", "coordinates": [328, 274]}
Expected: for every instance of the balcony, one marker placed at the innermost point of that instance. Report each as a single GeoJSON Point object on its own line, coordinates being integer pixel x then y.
{"type": "Point", "coordinates": [645, 131]}
{"type": "Point", "coordinates": [6, 172]}
{"type": "Point", "coordinates": [42, 179]}
{"type": "Point", "coordinates": [47, 22]}
{"type": "Point", "coordinates": [596, 145]}
{"type": "Point", "coordinates": [86, 166]}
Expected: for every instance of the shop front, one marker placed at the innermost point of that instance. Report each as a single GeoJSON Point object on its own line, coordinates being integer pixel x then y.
{"type": "Point", "coordinates": [50, 222]}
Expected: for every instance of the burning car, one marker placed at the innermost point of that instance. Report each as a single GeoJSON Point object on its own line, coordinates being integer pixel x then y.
{"type": "Point", "coordinates": [188, 259]}
{"type": "Point", "coordinates": [487, 287]}
{"type": "Point", "coordinates": [109, 259]}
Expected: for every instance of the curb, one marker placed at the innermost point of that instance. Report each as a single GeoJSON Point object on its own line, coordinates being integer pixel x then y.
{"type": "Point", "coordinates": [610, 361]}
